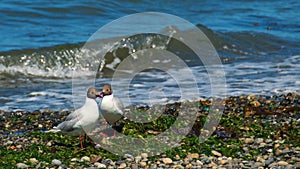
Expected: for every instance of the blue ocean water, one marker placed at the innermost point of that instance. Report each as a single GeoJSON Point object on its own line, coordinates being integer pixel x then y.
{"type": "Point", "coordinates": [257, 41]}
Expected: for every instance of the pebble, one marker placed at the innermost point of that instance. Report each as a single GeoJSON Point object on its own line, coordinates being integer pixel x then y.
{"type": "Point", "coordinates": [199, 163]}
{"type": "Point", "coordinates": [270, 150]}
{"type": "Point", "coordinates": [49, 144]}
{"type": "Point", "coordinates": [282, 163]}
{"type": "Point", "coordinates": [96, 159]}
{"type": "Point", "coordinates": [144, 155]}
{"type": "Point", "coordinates": [99, 165]}
{"type": "Point", "coordinates": [9, 142]}
{"type": "Point", "coordinates": [22, 165]}
{"type": "Point", "coordinates": [97, 146]}
{"type": "Point", "coordinates": [269, 161]}
{"type": "Point", "coordinates": [251, 97]}
{"type": "Point", "coordinates": [128, 156]}
{"type": "Point", "coordinates": [222, 162]}
{"type": "Point", "coordinates": [278, 152]}
{"type": "Point", "coordinates": [86, 158]}
{"type": "Point", "coordinates": [138, 159]}
{"type": "Point", "coordinates": [123, 165]}
{"type": "Point", "coordinates": [259, 140]}
{"type": "Point", "coordinates": [276, 146]}
{"type": "Point", "coordinates": [255, 103]}
{"type": "Point", "coordinates": [249, 140]}
{"type": "Point", "coordinates": [108, 162]}
{"type": "Point", "coordinates": [262, 145]}
{"type": "Point", "coordinates": [134, 166]}
{"type": "Point", "coordinates": [143, 163]}
{"type": "Point", "coordinates": [216, 153]}
{"type": "Point", "coordinates": [257, 164]}
{"type": "Point", "coordinates": [246, 149]}
{"type": "Point", "coordinates": [269, 141]}
{"type": "Point", "coordinates": [272, 164]}
{"type": "Point", "coordinates": [33, 160]}
{"type": "Point", "coordinates": [189, 166]}
{"type": "Point", "coordinates": [73, 159]}
{"type": "Point", "coordinates": [56, 162]}
{"type": "Point", "coordinates": [19, 146]}
{"type": "Point", "coordinates": [167, 160]}
{"type": "Point", "coordinates": [178, 166]}
{"type": "Point", "coordinates": [212, 164]}
{"type": "Point", "coordinates": [193, 155]}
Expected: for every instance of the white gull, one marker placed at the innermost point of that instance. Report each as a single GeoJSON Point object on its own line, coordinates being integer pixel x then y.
{"type": "Point", "coordinates": [112, 107]}
{"type": "Point", "coordinates": [82, 119]}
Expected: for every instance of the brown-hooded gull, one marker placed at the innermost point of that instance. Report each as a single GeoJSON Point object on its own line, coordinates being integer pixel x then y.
{"type": "Point", "coordinates": [82, 119]}
{"type": "Point", "coordinates": [112, 107]}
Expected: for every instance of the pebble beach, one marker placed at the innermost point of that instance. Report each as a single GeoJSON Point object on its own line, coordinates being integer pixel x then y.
{"type": "Point", "coordinates": [253, 132]}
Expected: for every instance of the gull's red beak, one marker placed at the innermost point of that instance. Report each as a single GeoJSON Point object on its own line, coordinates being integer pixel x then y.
{"type": "Point", "coordinates": [101, 95]}
{"type": "Point", "coordinates": [98, 95]}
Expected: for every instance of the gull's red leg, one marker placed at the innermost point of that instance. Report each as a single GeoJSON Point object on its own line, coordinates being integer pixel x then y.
{"type": "Point", "coordinates": [80, 140]}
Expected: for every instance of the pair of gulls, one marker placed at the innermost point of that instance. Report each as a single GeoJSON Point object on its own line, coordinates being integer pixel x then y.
{"type": "Point", "coordinates": [87, 116]}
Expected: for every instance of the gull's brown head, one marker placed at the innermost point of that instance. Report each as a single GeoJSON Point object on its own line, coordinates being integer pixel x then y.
{"type": "Point", "coordinates": [92, 93]}
{"type": "Point", "coordinates": [106, 90]}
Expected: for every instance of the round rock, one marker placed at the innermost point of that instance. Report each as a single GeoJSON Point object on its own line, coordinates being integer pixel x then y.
{"type": "Point", "coordinates": [123, 165]}
{"type": "Point", "coordinates": [216, 153]}
{"type": "Point", "coordinates": [99, 165]}
{"type": "Point", "coordinates": [86, 158]}
{"type": "Point", "coordinates": [33, 160]}
{"type": "Point", "coordinates": [22, 165]}
{"type": "Point", "coordinates": [167, 161]}
{"type": "Point", "coordinates": [56, 162]}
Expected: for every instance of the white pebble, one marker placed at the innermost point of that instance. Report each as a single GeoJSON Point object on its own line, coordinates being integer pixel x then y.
{"type": "Point", "coordinates": [74, 159]}
{"type": "Point", "coordinates": [9, 142]}
{"type": "Point", "coordinates": [144, 155]}
{"type": "Point", "coordinates": [33, 160]}
{"type": "Point", "coordinates": [49, 144]}
{"type": "Point", "coordinates": [216, 153]}
{"type": "Point", "coordinates": [138, 159]}
{"type": "Point", "coordinates": [85, 158]}
{"type": "Point", "coordinates": [22, 165]}
{"type": "Point", "coordinates": [99, 165]}
{"type": "Point", "coordinates": [56, 162]}
{"type": "Point", "coordinates": [167, 160]}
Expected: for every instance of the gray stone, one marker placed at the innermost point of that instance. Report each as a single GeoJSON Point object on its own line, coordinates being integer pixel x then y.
{"type": "Point", "coordinates": [56, 162]}
{"type": "Point", "coordinates": [108, 161]}
{"type": "Point", "coordinates": [259, 140]}
{"type": "Point", "coordinates": [9, 142]}
{"type": "Point", "coordinates": [269, 161]}
{"type": "Point", "coordinates": [22, 165]}
{"type": "Point", "coordinates": [269, 140]}
{"type": "Point", "coordinates": [128, 156]}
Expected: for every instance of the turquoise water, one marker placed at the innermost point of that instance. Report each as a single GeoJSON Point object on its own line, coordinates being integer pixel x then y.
{"type": "Point", "coordinates": [257, 41]}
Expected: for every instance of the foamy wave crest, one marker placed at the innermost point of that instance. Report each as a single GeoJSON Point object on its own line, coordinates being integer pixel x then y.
{"type": "Point", "coordinates": [34, 71]}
